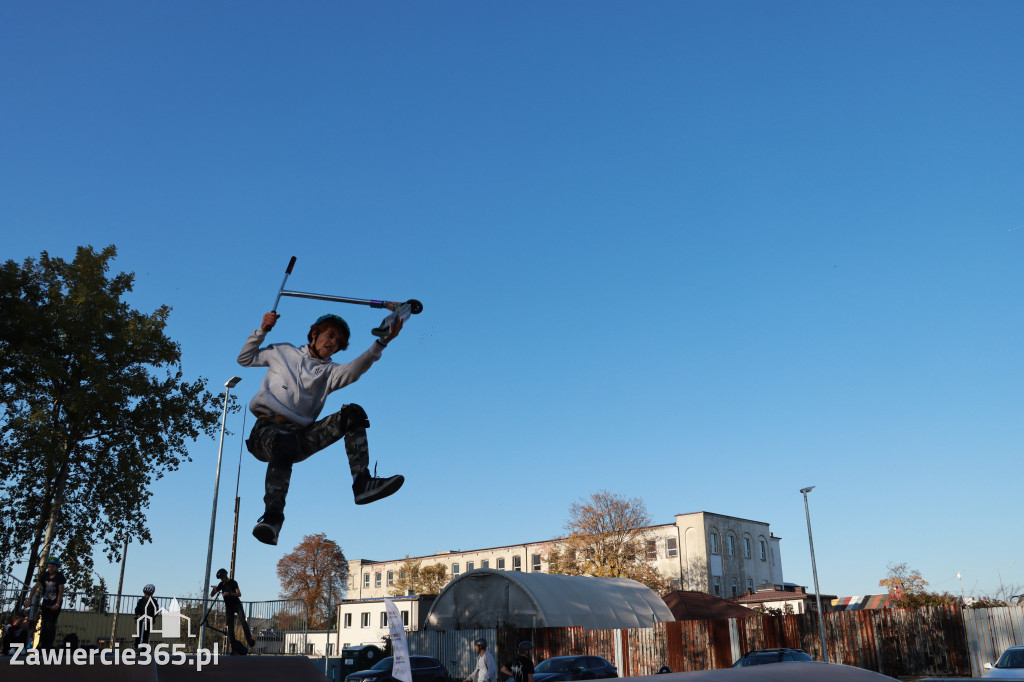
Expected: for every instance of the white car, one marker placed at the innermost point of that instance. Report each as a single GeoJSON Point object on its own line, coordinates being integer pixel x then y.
{"type": "Point", "coordinates": [1010, 665]}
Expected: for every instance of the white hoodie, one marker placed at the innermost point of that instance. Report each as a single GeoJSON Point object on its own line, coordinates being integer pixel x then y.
{"type": "Point", "coordinates": [297, 384]}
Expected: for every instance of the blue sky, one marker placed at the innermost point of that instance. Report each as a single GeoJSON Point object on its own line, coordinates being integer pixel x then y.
{"type": "Point", "coordinates": [701, 253]}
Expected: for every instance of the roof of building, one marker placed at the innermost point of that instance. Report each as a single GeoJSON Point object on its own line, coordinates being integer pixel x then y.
{"type": "Point", "coordinates": [859, 603]}
{"type": "Point", "coordinates": [798, 594]}
{"type": "Point", "coordinates": [689, 605]}
{"type": "Point", "coordinates": [487, 598]}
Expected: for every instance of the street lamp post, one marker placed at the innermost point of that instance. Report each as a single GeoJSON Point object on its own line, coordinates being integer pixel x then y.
{"type": "Point", "coordinates": [814, 571]}
{"type": "Point", "coordinates": [330, 607]}
{"type": "Point", "coordinates": [228, 385]}
{"type": "Point", "coordinates": [238, 481]}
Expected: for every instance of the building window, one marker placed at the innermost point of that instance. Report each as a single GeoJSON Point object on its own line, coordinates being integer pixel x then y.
{"type": "Point", "coordinates": [455, 570]}
{"type": "Point", "coordinates": [764, 551]}
{"type": "Point", "coordinates": [536, 563]}
{"type": "Point", "coordinates": [716, 586]}
{"type": "Point", "coordinates": [405, 618]}
{"type": "Point", "coordinates": [501, 564]}
{"type": "Point", "coordinates": [309, 649]}
{"type": "Point", "coordinates": [714, 542]}
{"type": "Point", "coordinates": [746, 548]}
{"type": "Point", "coordinates": [470, 565]}
{"type": "Point", "coordinates": [672, 547]}
{"type": "Point", "coordinates": [750, 584]}
{"type": "Point", "coordinates": [735, 588]}
{"type": "Point", "coordinates": [383, 619]}
{"type": "Point", "coordinates": [364, 619]}
{"type": "Point", "coordinates": [517, 563]}
{"type": "Point", "coordinates": [293, 648]}
{"type": "Point", "coordinates": [485, 564]}
{"type": "Point", "coordinates": [330, 648]}
{"type": "Point", "coordinates": [391, 578]}
{"type": "Point", "coordinates": [348, 620]}
{"type": "Point", "coordinates": [376, 579]}
{"type": "Point", "coordinates": [366, 579]}
{"type": "Point", "coordinates": [652, 550]}
{"type": "Point", "coordinates": [401, 575]}
{"type": "Point", "coordinates": [731, 542]}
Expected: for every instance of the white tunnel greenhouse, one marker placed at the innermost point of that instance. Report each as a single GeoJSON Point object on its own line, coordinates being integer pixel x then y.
{"type": "Point", "coordinates": [487, 598]}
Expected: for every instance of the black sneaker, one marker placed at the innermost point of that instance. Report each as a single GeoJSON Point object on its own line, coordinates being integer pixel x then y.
{"type": "Point", "coordinates": [267, 528]}
{"type": "Point", "coordinates": [367, 488]}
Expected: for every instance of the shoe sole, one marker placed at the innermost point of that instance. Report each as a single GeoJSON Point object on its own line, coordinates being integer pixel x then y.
{"type": "Point", "coordinates": [265, 534]}
{"type": "Point", "coordinates": [383, 491]}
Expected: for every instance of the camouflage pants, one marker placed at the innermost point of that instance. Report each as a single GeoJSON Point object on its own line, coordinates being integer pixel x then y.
{"type": "Point", "coordinates": [281, 444]}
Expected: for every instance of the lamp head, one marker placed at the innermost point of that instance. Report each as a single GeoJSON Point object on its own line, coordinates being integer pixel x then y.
{"type": "Point", "coordinates": [232, 382]}
{"type": "Point", "coordinates": [807, 489]}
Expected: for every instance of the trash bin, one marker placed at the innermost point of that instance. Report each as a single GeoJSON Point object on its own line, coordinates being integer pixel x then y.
{"type": "Point", "coordinates": [355, 658]}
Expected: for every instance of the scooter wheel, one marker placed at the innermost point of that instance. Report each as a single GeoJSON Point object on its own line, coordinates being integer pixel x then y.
{"type": "Point", "coordinates": [415, 307]}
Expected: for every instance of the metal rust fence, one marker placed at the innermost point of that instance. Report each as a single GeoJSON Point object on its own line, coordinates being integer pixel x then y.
{"type": "Point", "coordinates": [934, 641]}
{"type": "Point", "coordinates": [104, 620]}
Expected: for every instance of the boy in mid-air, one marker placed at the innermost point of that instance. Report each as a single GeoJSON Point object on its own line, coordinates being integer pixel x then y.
{"type": "Point", "coordinates": [291, 397]}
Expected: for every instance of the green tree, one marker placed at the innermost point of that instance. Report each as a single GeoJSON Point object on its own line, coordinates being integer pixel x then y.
{"type": "Point", "coordinates": [607, 538]}
{"type": "Point", "coordinates": [95, 598]}
{"type": "Point", "coordinates": [93, 409]}
{"type": "Point", "coordinates": [907, 588]}
{"type": "Point", "coordinates": [418, 579]}
{"type": "Point", "coordinates": [316, 572]}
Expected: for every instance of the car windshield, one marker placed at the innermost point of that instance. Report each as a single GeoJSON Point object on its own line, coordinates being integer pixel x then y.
{"type": "Point", "coordinates": [383, 664]}
{"type": "Point", "coordinates": [555, 665]}
{"type": "Point", "coordinates": [1011, 658]}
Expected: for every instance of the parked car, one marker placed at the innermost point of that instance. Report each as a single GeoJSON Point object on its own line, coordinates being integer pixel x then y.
{"type": "Point", "coordinates": [1010, 665]}
{"type": "Point", "coordinates": [762, 656]}
{"type": "Point", "coordinates": [565, 668]}
{"type": "Point", "coordinates": [424, 669]}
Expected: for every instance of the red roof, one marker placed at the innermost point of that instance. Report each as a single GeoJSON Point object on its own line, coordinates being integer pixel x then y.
{"type": "Point", "coordinates": [688, 605]}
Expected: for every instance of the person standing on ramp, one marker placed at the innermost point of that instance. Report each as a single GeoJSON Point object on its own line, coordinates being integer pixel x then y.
{"type": "Point", "coordinates": [228, 588]}
{"type": "Point", "coordinates": [291, 397]}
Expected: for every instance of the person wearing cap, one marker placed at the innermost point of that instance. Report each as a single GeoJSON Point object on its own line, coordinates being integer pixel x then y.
{"type": "Point", "coordinates": [485, 670]}
{"type": "Point", "coordinates": [50, 587]}
{"type": "Point", "coordinates": [289, 402]}
{"type": "Point", "coordinates": [520, 668]}
{"type": "Point", "coordinates": [229, 589]}
{"type": "Point", "coordinates": [145, 611]}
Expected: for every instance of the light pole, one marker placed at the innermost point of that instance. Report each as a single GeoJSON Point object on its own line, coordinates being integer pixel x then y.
{"type": "Point", "coordinates": [228, 385]}
{"type": "Point", "coordinates": [814, 571]}
{"type": "Point", "coordinates": [238, 481]}
{"type": "Point", "coordinates": [330, 606]}
{"type": "Point", "coordinates": [1002, 590]}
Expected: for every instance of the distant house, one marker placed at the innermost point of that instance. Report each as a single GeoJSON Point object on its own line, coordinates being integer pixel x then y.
{"type": "Point", "coordinates": [786, 597]}
{"type": "Point", "coordinates": [692, 605]}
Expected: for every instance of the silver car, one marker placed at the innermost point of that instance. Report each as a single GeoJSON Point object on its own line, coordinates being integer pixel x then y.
{"type": "Point", "coordinates": [1010, 665]}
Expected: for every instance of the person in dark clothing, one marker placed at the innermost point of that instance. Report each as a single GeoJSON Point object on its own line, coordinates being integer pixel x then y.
{"type": "Point", "coordinates": [232, 605]}
{"type": "Point", "coordinates": [520, 668]}
{"type": "Point", "coordinates": [15, 633]}
{"type": "Point", "coordinates": [50, 588]}
{"type": "Point", "coordinates": [145, 613]}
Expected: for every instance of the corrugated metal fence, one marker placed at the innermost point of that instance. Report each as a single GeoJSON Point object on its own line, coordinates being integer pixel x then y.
{"type": "Point", "coordinates": [933, 641]}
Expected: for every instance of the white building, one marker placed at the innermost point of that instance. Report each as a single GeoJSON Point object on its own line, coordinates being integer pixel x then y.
{"type": "Point", "coordinates": [365, 621]}
{"type": "Point", "coordinates": [721, 555]}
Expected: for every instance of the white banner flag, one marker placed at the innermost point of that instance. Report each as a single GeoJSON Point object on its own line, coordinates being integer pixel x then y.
{"type": "Point", "coordinates": [402, 669]}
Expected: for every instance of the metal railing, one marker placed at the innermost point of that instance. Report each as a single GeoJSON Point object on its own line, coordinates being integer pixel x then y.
{"type": "Point", "coordinates": [98, 621]}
